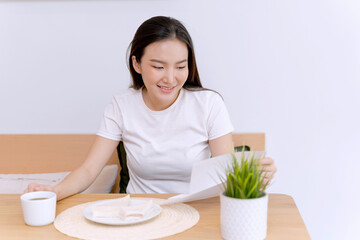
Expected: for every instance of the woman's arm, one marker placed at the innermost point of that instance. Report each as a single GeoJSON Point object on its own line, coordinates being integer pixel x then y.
{"type": "Point", "coordinates": [221, 145]}
{"type": "Point", "coordinates": [79, 179]}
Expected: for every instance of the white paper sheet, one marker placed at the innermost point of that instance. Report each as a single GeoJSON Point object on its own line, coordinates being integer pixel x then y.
{"type": "Point", "coordinates": [206, 177]}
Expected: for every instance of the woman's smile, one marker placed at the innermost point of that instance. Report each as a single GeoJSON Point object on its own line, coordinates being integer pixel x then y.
{"type": "Point", "coordinates": [166, 89]}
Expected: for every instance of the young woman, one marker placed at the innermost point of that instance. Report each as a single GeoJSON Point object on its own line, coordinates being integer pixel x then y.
{"type": "Point", "coordinates": [166, 119]}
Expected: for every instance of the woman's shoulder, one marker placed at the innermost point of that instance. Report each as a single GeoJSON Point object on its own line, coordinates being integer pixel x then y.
{"type": "Point", "coordinates": [203, 94]}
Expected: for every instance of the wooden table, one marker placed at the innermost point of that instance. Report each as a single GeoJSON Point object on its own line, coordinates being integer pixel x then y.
{"type": "Point", "coordinates": [284, 220]}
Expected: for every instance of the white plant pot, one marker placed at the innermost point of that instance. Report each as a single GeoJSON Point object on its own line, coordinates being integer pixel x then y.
{"type": "Point", "coordinates": [243, 219]}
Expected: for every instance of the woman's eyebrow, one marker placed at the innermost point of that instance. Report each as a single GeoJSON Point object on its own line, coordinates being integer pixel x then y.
{"type": "Point", "coordinates": [162, 62]}
{"type": "Point", "coordinates": [185, 60]}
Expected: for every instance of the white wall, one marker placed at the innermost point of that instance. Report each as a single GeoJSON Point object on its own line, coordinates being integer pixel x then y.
{"type": "Point", "coordinates": [287, 68]}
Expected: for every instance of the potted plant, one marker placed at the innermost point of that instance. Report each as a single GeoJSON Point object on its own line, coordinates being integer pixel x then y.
{"type": "Point", "coordinates": [243, 204]}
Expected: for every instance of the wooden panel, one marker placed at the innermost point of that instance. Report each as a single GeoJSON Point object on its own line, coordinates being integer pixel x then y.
{"type": "Point", "coordinates": [256, 141]}
{"type": "Point", "coordinates": [45, 153]}
{"type": "Point", "coordinates": [37, 153]}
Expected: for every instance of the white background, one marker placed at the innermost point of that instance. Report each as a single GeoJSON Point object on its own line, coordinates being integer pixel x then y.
{"type": "Point", "coordinates": [290, 69]}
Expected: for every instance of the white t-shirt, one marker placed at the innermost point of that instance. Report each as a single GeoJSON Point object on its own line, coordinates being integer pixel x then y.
{"type": "Point", "coordinates": [162, 146]}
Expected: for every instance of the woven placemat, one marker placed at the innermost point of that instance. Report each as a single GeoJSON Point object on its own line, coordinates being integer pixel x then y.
{"type": "Point", "coordinates": [174, 218]}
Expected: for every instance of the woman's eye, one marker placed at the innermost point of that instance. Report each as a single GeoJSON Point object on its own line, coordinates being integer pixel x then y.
{"type": "Point", "coordinates": [181, 67]}
{"type": "Point", "coordinates": [157, 67]}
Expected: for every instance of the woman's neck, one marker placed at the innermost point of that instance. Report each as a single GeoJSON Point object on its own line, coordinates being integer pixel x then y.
{"type": "Point", "coordinates": [155, 104]}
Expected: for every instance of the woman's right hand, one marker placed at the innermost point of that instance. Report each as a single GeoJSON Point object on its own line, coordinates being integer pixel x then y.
{"type": "Point", "coordinates": [33, 187]}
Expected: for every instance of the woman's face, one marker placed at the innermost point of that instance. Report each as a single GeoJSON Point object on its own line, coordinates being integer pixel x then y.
{"type": "Point", "coordinates": [164, 70]}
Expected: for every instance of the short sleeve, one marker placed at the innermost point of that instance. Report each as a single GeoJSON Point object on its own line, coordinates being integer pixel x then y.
{"type": "Point", "coordinates": [111, 123]}
{"type": "Point", "coordinates": [219, 122]}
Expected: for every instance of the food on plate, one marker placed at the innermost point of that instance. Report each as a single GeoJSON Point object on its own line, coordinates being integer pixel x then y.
{"type": "Point", "coordinates": [123, 209]}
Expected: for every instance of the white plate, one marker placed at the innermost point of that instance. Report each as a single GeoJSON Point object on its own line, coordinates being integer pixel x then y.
{"type": "Point", "coordinates": [156, 210]}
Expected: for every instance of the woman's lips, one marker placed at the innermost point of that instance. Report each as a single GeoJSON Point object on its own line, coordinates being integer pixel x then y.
{"type": "Point", "coordinates": [166, 89]}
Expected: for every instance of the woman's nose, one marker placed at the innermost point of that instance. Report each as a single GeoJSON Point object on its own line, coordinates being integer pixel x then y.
{"type": "Point", "coordinates": [169, 77]}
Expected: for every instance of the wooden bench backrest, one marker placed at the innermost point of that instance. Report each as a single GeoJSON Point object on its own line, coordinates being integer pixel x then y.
{"type": "Point", "coordinates": [48, 153]}
{"type": "Point", "coordinates": [37, 153]}
{"type": "Point", "coordinates": [256, 141]}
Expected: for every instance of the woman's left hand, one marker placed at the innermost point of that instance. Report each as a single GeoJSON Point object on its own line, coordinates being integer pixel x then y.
{"type": "Point", "coordinates": [269, 169]}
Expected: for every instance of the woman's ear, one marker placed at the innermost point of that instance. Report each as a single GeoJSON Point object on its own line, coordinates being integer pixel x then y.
{"type": "Point", "coordinates": [136, 65]}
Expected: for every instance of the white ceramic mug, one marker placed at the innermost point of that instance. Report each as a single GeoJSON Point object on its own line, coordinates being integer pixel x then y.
{"type": "Point", "coordinates": [39, 208]}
